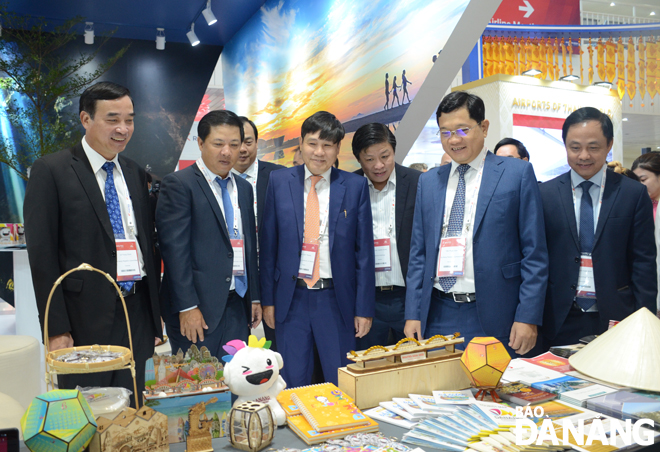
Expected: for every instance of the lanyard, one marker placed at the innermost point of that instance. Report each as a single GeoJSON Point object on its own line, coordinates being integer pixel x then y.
{"type": "Point", "coordinates": [210, 178]}
{"type": "Point", "coordinates": [130, 215]}
{"type": "Point", "coordinates": [600, 195]}
{"type": "Point", "coordinates": [467, 214]}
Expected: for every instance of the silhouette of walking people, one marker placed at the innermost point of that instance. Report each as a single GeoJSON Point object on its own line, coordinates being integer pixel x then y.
{"type": "Point", "coordinates": [404, 83]}
{"type": "Point", "coordinates": [387, 92]}
{"type": "Point", "coordinates": [395, 95]}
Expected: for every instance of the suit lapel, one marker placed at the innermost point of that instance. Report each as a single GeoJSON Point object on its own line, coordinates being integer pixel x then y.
{"type": "Point", "coordinates": [401, 196]}
{"type": "Point", "coordinates": [204, 185]}
{"type": "Point", "coordinates": [297, 187]}
{"type": "Point", "coordinates": [491, 177]}
{"type": "Point", "coordinates": [439, 196]}
{"type": "Point", "coordinates": [83, 170]}
{"type": "Point", "coordinates": [244, 206]}
{"type": "Point", "coordinates": [612, 185]}
{"type": "Point", "coordinates": [133, 184]}
{"type": "Point", "coordinates": [337, 191]}
{"type": "Point", "coordinates": [566, 197]}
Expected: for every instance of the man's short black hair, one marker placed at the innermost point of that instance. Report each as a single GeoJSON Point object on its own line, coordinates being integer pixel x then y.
{"type": "Point", "coordinates": [458, 99]}
{"type": "Point", "coordinates": [245, 120]}
{"type": "Point", "coordinates": [522, 150]}
{"type": "Point", "coordinates": [101, 91]}
{"type": "Point", "coordinates": [218, 118]}
{"type": "Point", "coordinates": [370, 134]}
{"type": "Point", "coordinates": [331, 129]}
{"type": "Point", "coordinates": [589, 114]}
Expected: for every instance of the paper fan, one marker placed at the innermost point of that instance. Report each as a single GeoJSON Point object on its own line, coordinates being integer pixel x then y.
{"type": "Point", "coordinates": [633, 344]}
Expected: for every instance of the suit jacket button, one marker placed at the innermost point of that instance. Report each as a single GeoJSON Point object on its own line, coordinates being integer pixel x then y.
{"type": "Point", "coordinates": [229, 255]}
{"type": "Point", "coordinates": [114, 253]}
{"type": "Point", "coordinates": [228, 279]}
{"type": "Point", "coordinates": [573, 287]}
{"type": "Point", "coordinates": [293, 277]}
{"type": "Point", "coordinates": [577, 260]}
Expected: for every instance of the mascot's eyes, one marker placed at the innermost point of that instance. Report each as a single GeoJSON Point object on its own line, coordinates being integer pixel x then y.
{"type": "Point", "coordinates": [269, 362]}
{"type": "Point", "coordinates": [246, 370]}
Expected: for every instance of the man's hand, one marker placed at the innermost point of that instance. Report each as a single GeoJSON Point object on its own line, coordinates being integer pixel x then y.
{"type": "Point", "coordinates": [60, 341]}
{"type": "Point", "coordinates": [269, 315]}
{"type": "Point", "coordinates": [256, 315]}
{"type": "Point", "coordinates": [412, 328]}
{"type": "Point", "coordinates": [362, 326]}
{"type": "Point", "coordinates": [192, 325]}
{"type": "Point", "coordinates": [159, 340]}
{"type": "Point", "coordinates": [523, 337]}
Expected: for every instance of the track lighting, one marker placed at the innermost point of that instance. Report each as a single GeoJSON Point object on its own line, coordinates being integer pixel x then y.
{"type": "Point", "coordinates": [160, 38]}
{"type": "Point", "coordinates": [208, 14]}
{"type": "Point", "coordinates": [192, 37]}
{"type": "Point", "coordinates": [89, 32]}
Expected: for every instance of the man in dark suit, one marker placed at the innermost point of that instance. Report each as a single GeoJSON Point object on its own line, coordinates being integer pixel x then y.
{"type": "Point", "coordinates": [478, 258]}
{"type": "Point", "coordinates": [207, 236]}
{"type": "Point", "coordinates": [317, 256]}
{"type": "Point", "coordinates": [257, 173]}
{"type": "Point", "coordinates": [599, 228]}
{"type": "Point", "coordinates": [88, 204]}
{"type": "Point", "coordinates": [392, 189]}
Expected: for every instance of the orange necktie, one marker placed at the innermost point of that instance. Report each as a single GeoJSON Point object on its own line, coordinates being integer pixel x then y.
{"type": "Point", "coordinates": [312, 226]}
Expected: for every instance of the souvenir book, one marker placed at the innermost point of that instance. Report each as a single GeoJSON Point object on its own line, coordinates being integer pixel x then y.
{"type": "Point", "coordinates": [301, 427]}
{"type": "Point", "coordinates": [463, 397]}
{"type": "Point", "coordinates": [563, 384]}
{"type": "Point", "coordinates": [428, 403]}
{"type": "Point", "coordinates": [380, 414]}
{"type": "Point", "coordinates": [420, 438]}
{"type": "Point", "coordinates": [411, 407]}
{"type": "Point", "coordinates": [579, 397]}
{"type": "Point", "coordinates": [629, 404]}
{"type": "Point", "coordinates": [522, 394]}
{"type": "Point", "coordinates": [327, 408]}
{"type": "Point", "coordinates": [398, 409]}
{"type": "Point", "coordinates": [528, 373]}
{"type": "Point", "coordinates": [290, 408]}
{"type": "Point", "coordinates": [551, 361]}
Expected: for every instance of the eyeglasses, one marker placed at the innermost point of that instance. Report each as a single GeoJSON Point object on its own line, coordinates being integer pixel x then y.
{"type": "Point", "coordinates": [462, 132]}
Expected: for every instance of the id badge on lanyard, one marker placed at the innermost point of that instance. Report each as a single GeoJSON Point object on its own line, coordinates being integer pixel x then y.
{"type": "Point", "coordinates": [307, 260]}
{"type": "Point", "coordinates": [451, 258]}
{"type": "Point", "coordinates": [383, 252]}
{"type": "Point", "coordinates": [128, 264]}
{"type": "Point", "coordinates": [586, 287]}
{"type": "Point", "coordinates": [239, 257]}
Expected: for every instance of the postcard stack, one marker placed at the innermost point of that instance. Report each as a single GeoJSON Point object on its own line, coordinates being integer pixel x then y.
{"type": "Point", "coordinates": [318, 413]}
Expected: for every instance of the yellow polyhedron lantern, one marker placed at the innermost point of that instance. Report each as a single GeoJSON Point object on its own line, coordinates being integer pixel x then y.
{"type": "Point", "coordinates": [58, 421]}
{"type": "Point", "coordinates": [251, 426]}
{"type": "Point", "coordinates": [484, 361]}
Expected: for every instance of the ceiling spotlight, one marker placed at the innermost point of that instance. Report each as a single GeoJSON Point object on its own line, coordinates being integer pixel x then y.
{"type": "Point", "coordinates": [652, 13]}
{"type": "Point", "coordinates": [612, 4]}
{"type": "Point", "coordinates": [607, 85]}
{"type": "Point", "coordinates": [624, 119]}
{"type": "Point", "coordinates": [208, 14]}
{"type": "Point", "coordinates": [89, 32]}
{"type": "Point", "coordinates": [531, 72]}
{"type": "Point", "coordinates": [569, 78]}
{"type": "Point", "coordinates": [192, 37]}
{"type": "Point", "coordinates": [160, 38]}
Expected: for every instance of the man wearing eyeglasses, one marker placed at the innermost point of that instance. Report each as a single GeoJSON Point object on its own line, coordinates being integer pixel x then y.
{"type": "Point", "coordinates": [478, 258]}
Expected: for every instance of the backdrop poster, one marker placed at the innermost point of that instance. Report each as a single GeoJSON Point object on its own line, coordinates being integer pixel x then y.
{"type": "Point", "coordinates": [294, 58]}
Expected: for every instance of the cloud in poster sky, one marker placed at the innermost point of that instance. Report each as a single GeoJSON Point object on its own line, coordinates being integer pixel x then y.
{"type": "Point", "coordinates": [295, 57]}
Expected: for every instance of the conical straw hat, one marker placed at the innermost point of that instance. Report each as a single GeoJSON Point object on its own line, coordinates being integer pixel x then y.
{"type": "Point", "coordinates": [627, 355]}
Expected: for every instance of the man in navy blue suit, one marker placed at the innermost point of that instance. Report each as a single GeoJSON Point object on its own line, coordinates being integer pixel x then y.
{"type": "Point", "coordinates": [478, 258]}
{"type": "Point", "coordinates": [257, 173]}
{"type": "Point", "coordinates": [317, 256]}
{"type": "Point", "coordinates": [207, 236]}
{"type": "Point", "coordinates": [599, 228]}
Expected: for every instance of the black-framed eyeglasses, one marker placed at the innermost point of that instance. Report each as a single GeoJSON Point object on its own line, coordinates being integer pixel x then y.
{"type": "Point", "coordinates": [462, 132]}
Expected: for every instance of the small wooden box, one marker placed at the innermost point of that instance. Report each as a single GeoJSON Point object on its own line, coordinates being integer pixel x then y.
{"type": "Point", "coordinates": [144, 430]}
{"type": "Point", "coordinates": [371, 386]}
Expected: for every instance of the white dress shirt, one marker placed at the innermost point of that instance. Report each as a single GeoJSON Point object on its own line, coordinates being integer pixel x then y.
{"type": "Point", "coordinates": [594, 191]}
{"type": "Point", "coordinates": [97, 161]}
{"type": "Point", "coordinates": [383, 212]}
{"type": "Point", "coordinates": [323, 193]}
{"type": "Point", "coordinates": [251, 175]}
{"type": "Point", "coordinates": [465, 283]}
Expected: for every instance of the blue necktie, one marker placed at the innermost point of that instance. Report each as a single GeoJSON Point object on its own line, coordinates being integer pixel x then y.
{"type": "Point", "coordinates": [586, 234]}
{"type": "Point", "coordinates": [240, 282]}
{"type": "Point", "coordinates": [455, 226]}
{"type": "Point", "coordinates": [243, 175]}
{"type": "Point", "coordinates": [112, 204]}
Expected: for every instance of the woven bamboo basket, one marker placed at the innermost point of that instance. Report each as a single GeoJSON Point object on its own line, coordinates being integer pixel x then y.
{"type": "Point", "coordinates": [124, 361]}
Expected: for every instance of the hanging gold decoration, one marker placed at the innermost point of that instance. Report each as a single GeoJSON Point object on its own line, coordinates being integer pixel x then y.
{"type": "Point", "coordinates": [591, 63]}
{"type": "Point", "coordinates": [610, 51]}
{"type": "Point", "coordinates": [528, 55]}
{"type": "Point", "coordinates": [496, 57]}
{"type": "Point", "coordinates": [549, 53]}
{"type": "Point", "coordinates": [651, 64]}
{"type": "Point", "coordinates": [600, 57]}
{"type": "Point", "coordinates": [516, 55]}
{"type": "Point", "coordinates": [500, 61]}
{"type": "Point", "coordinates": [641, 82]}
{"type": "Point", "coordinates": [509, 68]}
{"type": "Point", "coordinates": [563, 56]}
{"type": "Point", "coordinates": [620, 65]}
{"type": "Point", "coordinates": [536, 64]}
{"type": "Point", "coordinates": [543, 63]}
{"type": "Point", "coordinates": [581, 56]}
{"type": "Point", "coordinates": [630, 66]}
{"type": "Point", "coordinates": [487, 58]}
{"type": "Point", "coordinates": [556, 62]}
{"type": "Point", "coordinates": [569, 47]}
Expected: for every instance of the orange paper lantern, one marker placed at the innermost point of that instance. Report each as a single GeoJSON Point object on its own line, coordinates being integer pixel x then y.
{"type": "Point", "coordinates": [484, 361]}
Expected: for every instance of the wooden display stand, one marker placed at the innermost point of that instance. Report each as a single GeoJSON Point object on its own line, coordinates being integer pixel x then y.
{"type": "Point", "coordinates": [409, 367]}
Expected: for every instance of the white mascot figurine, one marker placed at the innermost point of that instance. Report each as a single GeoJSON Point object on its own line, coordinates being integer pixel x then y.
{"type": "Point", "coordinates": [252, 373]}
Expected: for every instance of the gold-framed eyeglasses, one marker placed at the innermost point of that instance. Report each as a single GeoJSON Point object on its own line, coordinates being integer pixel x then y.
{"type": "Point", "coordinates": [462, 132]}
